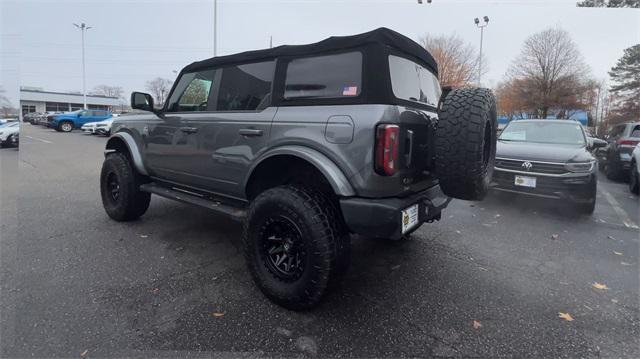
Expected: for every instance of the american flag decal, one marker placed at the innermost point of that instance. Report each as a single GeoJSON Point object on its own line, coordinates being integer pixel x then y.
{"type": "Point", "coordinates": [350, 91]}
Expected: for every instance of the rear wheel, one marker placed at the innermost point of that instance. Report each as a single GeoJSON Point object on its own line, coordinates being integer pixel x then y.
{"type": "Point", "coordinates": [120, 189]}
{"type": "Point", "coordinates": [65, 126]}
{"type": "Point", "coordinates": [293, 247]}
{"type": "Point", "coordinates": [465, 144]}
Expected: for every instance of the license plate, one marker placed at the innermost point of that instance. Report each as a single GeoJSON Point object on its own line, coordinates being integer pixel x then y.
{"type": "Point", "coordinates": [525, 181]}
{"type": "Point", "coordinates": [409, 218]}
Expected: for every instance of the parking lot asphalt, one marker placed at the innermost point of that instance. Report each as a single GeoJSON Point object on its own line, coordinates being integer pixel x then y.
{"type": "Point", "coordinates": [489, 280]}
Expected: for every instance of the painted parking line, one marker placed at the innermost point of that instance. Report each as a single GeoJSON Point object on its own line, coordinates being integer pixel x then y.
{"type": "Point", "coordinates": [624, 217]}
{"type": "Point", "coordinates": [38, 139]}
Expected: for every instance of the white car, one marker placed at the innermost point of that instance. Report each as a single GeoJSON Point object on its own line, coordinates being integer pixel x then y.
{"type": "Point", "coordinates": [8, 132]}
{"type": "Point", "coordinates": [634, 173]}
{"type": "Point", "coordinates": [104, 127]}
{"type": "Point", "coordinates": [89, 127]}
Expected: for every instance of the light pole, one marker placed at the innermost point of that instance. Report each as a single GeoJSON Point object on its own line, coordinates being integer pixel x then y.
{"type": "Point", "coordinates": [420, 1]}
{"type": "Point", "coordinates": [215, 28]}
{"type": "Point", "coordinates": [83, 27]}
{"type": "Point", "coordinates": [481, 26]}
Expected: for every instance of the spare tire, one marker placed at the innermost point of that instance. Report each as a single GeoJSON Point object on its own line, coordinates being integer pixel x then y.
{"type": "Point", "coordinates": [465, 144]}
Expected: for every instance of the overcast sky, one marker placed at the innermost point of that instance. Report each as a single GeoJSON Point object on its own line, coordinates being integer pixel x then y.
{"type": "Point", "coordinates": [134, 41]}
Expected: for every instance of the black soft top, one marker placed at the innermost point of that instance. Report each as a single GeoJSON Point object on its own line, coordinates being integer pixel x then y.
{"type": "Point", "coordinates": [381, 35]}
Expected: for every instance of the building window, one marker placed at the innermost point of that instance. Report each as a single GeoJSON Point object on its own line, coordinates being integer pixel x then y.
{"type": "Point", "coordinates": [28, 109]}
{"type": "Point", "coordinates": [76, 106]}
{"type": "Point", "coordinates": [97, 107]}
{"type": "Point", "coordinates": [57, 106]}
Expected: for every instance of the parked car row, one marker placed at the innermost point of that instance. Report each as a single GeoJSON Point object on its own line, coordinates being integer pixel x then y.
{"type": "Point", "coordinates": [89, 121]}
{"type": "Point", "coordinates": [616, 158]}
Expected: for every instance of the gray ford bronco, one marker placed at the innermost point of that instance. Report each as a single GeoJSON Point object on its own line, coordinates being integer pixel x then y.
{"type": "Point", "coordinates": [305, 145]}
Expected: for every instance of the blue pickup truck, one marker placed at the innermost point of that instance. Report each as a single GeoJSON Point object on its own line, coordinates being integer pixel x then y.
{"type": "Point", "coordinates": [66, 122]}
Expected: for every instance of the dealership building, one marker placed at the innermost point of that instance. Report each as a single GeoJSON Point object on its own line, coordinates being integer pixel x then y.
{"type": "Point", "coordinates": [38, 100]}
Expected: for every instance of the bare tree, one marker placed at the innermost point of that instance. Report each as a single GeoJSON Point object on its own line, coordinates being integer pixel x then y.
{"type": "Point", "coordinates": [106, 90]}
{"type": "Point", "coordinates": [159, 88]}
{"type": "Point", "coordinates": [549, 73]}
{"type": "Point", "coordinates": [5, 105]}
{"type": "Point", "coordinates": [457, 60]}
{"type": "Point", "coordinates": [609, 3]}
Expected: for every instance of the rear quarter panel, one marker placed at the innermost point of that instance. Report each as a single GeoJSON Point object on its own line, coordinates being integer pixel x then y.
{"type": "Point", "coordinates": [307, 126]}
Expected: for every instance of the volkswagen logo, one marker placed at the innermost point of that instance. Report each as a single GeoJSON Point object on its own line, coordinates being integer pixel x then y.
{"type": "Point", "coordinates": [527, 165]}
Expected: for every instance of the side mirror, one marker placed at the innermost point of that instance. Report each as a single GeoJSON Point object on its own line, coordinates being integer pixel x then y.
{"type": "Point", "coordinates": [142, 101]}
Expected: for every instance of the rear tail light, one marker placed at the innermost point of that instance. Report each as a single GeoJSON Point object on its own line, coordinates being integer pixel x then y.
{"type": "Point", "coordinates": [387, 140]}
{"type": "Point", "coordinates": [628, 142]}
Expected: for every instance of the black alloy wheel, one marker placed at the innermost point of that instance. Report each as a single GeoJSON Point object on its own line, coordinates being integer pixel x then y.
{"type": "Point", "coordinates": [283, 248]}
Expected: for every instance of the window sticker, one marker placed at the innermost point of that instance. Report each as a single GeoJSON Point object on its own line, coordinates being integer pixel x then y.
{"type": "Point", "coordinates": [350, 91]}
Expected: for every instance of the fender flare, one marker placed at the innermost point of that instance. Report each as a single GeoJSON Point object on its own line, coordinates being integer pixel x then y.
{"type": "Point", "coordinates": [132, 146]}
{"type": "Point", "coordinates": [336, 178]}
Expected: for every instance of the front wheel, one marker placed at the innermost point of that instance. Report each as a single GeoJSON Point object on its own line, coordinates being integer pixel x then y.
{"type": "Point", "coordinates": [65, 126]}
{"type": "Point", "coordinates": [293, 246]}
{"type": "Point", "coordinates": [120, 189]}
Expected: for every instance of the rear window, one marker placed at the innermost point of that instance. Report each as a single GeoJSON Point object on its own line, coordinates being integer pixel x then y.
{"type": "Point", "coordinates": [635, 132]}
{"type": "Point", "coordinates": [331, 76]}
{"type": "Point", "coordinates": [413, 82]}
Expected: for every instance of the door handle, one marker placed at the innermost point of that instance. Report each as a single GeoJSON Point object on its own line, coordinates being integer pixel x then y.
{"type": "Point", "coordinates": [189, 129]}
{"type": "Point", "coordinates": [250, 132]}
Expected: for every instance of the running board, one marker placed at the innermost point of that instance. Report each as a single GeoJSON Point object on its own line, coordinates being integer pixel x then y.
{"type": "Point", "coordinates": [235, 213]}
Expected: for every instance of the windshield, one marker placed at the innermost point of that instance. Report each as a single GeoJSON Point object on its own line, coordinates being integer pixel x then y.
{"type": "Point", "coordinates": [544, 132]}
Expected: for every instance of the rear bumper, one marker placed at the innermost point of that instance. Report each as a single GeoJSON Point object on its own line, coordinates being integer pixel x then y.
{"type": "Point", "coordinates": [576, 187]}
{"type": "Point", "coordinates": [383, 217]}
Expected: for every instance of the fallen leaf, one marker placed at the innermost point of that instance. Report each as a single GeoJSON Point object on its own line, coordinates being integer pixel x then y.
{"type": "Point", "coordinates": [458, 232]}
{"type": "Point", "coordinates": [484, 269]}
{"type": "Point", "coordinates": [626, 264]}
{"type": "Point", "coordinates": [395, 267]}
{"type": "Point", "coordinates": [597, 285]}
{"type": "Point", "coordinates": [588, 307]}
{"type": "Point", "coordinates": [155, 290]}
{"type": "Point", "coordinates": [617, 253]}
{"type": "Point", "coordinates": [611, 237]}
{"type": "Point", "coordinates": [565, 316]}
{"type": "Point", "coordinates": [217, 314]}
{"type": "Point", "coordinates": [476, 324]}
{"type": "Point", "coordinates": [554, 236]}
{"type": "Point", "coordinates": [614, 300]}
{"type": "Point", "coordinates": [85, 352]}
{"type": "Point", "coordinates": [143, 236]}
{"type": "Point", "coordinates": [497, 215]}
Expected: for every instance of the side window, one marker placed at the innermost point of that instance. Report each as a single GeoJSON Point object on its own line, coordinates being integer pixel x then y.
{"type": "Point", "coordinates": [635, 132]}
{"type": "Point", "coordinates": [245, 87]}
{"type": "Point", "coordinates": [99, 113]}
{"type": "Point", "coordinates": [413, 82]}
{"type": "Point", "coordinates": [331, 76]}
{"type": "Point", "coordinates": [192, 92]}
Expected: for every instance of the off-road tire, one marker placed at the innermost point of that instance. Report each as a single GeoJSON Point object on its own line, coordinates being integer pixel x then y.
{"type": "Point", "coordinates": [465, 144]}
{"type": "Point", "coordinates": [323, 237]}
{"type": "Point", "coordinates": [131, 202]}
{"type": "Point", "coordinates": [634, 181]}
{"type": "Point", "coordinates": [61, 126]}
